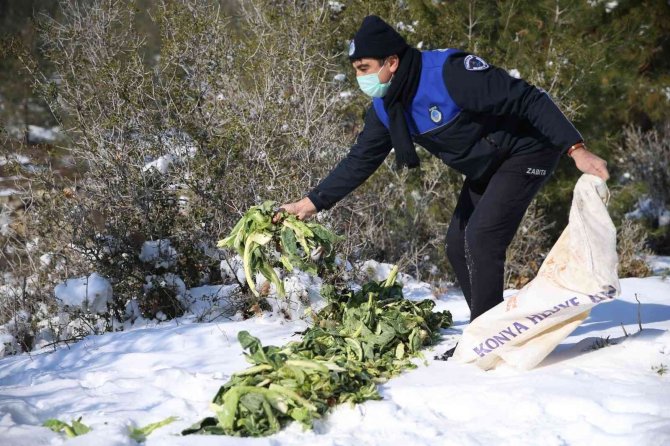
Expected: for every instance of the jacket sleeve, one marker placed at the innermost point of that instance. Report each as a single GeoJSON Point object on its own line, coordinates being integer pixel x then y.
{"type": "Point", "coordinates": [480, 88]}
{"type": "Point", "coordinates": [372, 146]}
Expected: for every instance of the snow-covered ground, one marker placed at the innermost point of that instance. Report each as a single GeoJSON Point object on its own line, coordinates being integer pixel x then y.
{"type": "Point", "coordinates": [578, 395]}
{"type": "Point", "coordinates": [659, 264]}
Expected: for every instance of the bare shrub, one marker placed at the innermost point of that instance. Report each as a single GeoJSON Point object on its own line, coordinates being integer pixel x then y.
{"type": "Point", "coordinates": [176, 151]}
{"type": "Point", "coordinates": [632, 249]}
{"type": "Point", "coordinates": [173, 147]}
{"type": "Point", "coordinates": [645, 159]}
{"type": "Point", "coordinates": [647, 155]}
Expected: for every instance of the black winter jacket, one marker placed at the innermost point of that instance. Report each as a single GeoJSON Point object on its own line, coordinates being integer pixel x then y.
{"type": "Point", "coordinates": [500, 116]}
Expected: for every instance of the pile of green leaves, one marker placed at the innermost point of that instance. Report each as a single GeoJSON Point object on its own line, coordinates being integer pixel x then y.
{"type": "Point", "coordinates": [263, 244]}
{"type": "Point", "coordinates": [359, 339]}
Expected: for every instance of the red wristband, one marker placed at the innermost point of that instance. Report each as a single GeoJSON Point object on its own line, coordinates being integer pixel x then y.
{"type": "Point", "coordinates": [579, 145]}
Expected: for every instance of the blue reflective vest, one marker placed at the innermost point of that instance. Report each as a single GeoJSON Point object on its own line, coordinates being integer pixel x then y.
{"type": "Point", "coordinates": [432, 106]}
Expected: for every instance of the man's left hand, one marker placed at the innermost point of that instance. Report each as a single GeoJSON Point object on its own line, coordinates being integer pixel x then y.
{"type": "Point", "coordinates": [588, 162]}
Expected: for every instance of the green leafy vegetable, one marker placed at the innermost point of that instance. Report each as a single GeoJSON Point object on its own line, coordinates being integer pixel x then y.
{"type": "Point", "coordinates": [295, 243]}
{"type": "Point", "coordinates": [140, 434]}
{"type": "Point", "coordinates": [77, 427]}
{"type": "Point", "coordinates": [359, 339]}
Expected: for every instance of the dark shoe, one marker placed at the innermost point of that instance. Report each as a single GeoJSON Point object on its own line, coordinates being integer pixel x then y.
{"type": "Point", "coordinates": [448, 354]}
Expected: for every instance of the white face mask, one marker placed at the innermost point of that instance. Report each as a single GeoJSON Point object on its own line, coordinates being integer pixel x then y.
{"type": "Point", "coordinates": [371, 85]}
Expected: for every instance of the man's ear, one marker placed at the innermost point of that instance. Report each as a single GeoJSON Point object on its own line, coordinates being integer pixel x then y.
{"type": "Point", "coordinates": [394, 63]}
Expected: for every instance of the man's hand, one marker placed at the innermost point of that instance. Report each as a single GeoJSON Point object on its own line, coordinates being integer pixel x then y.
{"type": "Point", "coordinates": [302, 209]}
{"type": "Point", "coordinates": [587, 162]}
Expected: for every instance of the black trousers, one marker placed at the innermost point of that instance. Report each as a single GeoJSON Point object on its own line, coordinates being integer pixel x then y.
{"type": "Point", "coordinates": [486, 217]}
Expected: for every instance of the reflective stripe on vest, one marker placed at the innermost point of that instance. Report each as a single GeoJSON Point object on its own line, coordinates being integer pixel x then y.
{"type": "Point", "coordinates": [432, 106]}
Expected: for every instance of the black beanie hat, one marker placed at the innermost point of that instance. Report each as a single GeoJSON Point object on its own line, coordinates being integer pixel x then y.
{"type": "Point", "coordinates": [376, 38]}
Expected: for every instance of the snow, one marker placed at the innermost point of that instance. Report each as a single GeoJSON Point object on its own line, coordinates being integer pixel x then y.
{"type": "Point", "coordinates": [233, 268]}
{"type": "Point", "coordinates": [8, 192]}
{"type": "Point", "coordinates": [159, 252]}
{"type": "Point", "coordinates": [90, 293]}
{"type": "Point", "coordinates": [666, 92]}
{"type": "Point", "coordinates": [209, 302]}
{"type": "Point", "coordinates": [5, 220]}
{"type": "Point", "coordinates": [335, 6]}
{"type": "Point", "coordinates": [14, 157]}
{"type": "Point", "coordinates": [37, 134]}
{"type": "Point", "coordinates": [401, 26]}
{"type": "Point", "coordinates": [664, 218]}
{"type": "Point", "coordinates": [170, 281]}
{"type": "Point", "coordinates": [578, 395]}
{"type": "Point", "coordinates": [658, 264]}
{"type": "Point", "coordinates": [161, 164]}
{"type": "Point", "coordinates": [647, 207]}
{"type": "Point", "coordinates": [515, 73]}
{"type": "Point", "coordinates": [609, 6]}
{"type": "Point", "coordinates": [177, 145]}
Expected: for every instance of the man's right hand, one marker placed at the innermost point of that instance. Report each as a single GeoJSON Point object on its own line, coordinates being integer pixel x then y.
{"type": "Point", "coordinates": [590, 163]}
{"type": "Point", "coordinates": [302, 209]}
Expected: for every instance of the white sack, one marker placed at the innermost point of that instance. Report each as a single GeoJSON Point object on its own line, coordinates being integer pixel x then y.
{"type": "Point", "coordinates": [579, 273]}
